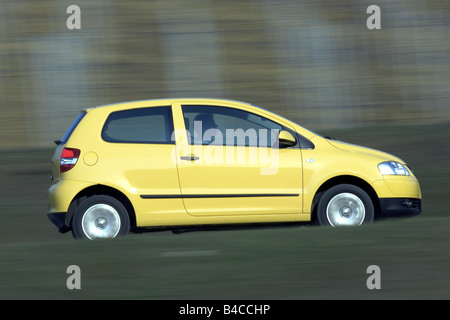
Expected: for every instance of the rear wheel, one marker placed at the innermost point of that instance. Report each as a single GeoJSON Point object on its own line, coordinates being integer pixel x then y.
{"type": "Point", "coordinates": [100, 217]}
{"type": "Point", "coordinates": [345, 205]}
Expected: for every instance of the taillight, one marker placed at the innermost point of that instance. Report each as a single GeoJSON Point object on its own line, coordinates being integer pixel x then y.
{"type": "Point", "coordinates": [69, 158]}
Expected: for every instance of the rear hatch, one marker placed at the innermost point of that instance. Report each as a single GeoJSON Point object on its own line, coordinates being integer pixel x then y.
{"type": "Point", "coordinates": [65, 159]}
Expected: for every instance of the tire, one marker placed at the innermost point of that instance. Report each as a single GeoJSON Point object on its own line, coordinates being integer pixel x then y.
{"type": "Point", "coordinates": [100, 216]}
{"type": "Point", "coordinates": [345, 205]}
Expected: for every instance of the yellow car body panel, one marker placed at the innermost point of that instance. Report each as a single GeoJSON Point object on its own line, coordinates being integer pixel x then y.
{"type": "Point", "coordinates": [177, 183]}
{"type": "Point", "coordinates": [333, 159]}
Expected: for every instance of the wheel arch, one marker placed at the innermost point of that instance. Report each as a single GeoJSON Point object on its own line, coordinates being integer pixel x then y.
{"type": "Point", "coordinates": [345, 179]}
{"type": "Point", "coordinates": [100, 189]}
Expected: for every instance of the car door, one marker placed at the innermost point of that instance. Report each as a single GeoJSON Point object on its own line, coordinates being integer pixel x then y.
{"type": "Point", "coordinates": [228, 164]}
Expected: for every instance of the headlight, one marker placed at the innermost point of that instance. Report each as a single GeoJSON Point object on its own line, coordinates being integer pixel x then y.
{"type": "Point", "coordinates": [393, 168]}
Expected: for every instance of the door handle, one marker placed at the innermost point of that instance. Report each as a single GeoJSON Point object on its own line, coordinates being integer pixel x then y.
{"type": "Point", "coordinates": [190, 158]}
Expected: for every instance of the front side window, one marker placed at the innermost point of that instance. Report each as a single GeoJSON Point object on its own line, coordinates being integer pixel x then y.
{"type": "Point", "coordinates": [229, 127]}
{"type": "Point", "coordinates": [143, 125]}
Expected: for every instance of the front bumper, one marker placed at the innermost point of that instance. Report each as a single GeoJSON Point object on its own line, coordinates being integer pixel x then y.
{"type": "Point", "coordinates": [59, 220]}
{"type": "Point", "coordinates": [400, 207]}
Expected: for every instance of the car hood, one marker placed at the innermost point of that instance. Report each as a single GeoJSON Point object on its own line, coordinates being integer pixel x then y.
{"type": "Point", "coordinates": [383, 156]}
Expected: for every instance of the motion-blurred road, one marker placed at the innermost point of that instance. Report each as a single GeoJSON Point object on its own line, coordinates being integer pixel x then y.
{"type": "Point", "coordinates": [314, 62]}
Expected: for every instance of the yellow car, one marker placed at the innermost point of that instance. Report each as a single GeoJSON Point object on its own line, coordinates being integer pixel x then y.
{"type": "Point", "coordinates": [172, 163]}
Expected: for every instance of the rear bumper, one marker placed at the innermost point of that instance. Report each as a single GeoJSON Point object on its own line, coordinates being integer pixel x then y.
{"type": "Point", "coordinates": [59, 220]}
{"type": "Point", "coordinates": [400, 207]}
{"type": "Point", "coordinates": [62, 192]}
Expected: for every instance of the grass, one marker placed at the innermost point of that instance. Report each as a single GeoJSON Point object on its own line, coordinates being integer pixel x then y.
{"type": "Point", "coordinates": [270, 263]}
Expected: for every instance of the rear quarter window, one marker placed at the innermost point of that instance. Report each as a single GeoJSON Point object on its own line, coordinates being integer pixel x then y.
{"type": "Point", "coordinates": [143, 125]}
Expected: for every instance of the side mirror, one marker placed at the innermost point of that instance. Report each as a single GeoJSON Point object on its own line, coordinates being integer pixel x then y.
{"type": "Point", "coordinates": [286, 139]}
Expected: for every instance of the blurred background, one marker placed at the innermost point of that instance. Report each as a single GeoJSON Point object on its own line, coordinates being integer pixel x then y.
{"type": "Point", "coordinates": [312, 61]}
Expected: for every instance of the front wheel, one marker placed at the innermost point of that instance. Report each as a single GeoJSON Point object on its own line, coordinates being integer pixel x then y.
{"type": "Point", "coordinates": [345, 205]}
{"type": "Point", "coordinates": [100, 217]}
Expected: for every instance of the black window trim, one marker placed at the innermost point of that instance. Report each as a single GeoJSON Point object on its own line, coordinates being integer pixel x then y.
{"type": "Point", "coordinates": [305, 143]}
{"type": "Point", "coordinates": [71, 128]}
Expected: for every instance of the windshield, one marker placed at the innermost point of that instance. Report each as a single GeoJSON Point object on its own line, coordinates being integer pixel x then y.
{"type": "Point", "coordinates": [315, 133]}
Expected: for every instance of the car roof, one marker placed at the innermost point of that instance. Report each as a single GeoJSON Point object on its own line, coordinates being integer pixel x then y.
{"type": "Point", "coordinates": [168, 101]}
{"type": "Point", "coordinates": [213, 101]}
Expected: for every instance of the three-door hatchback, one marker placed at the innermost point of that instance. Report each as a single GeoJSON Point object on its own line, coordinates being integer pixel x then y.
{"type": "Point", "coordinates": [206, 162]}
